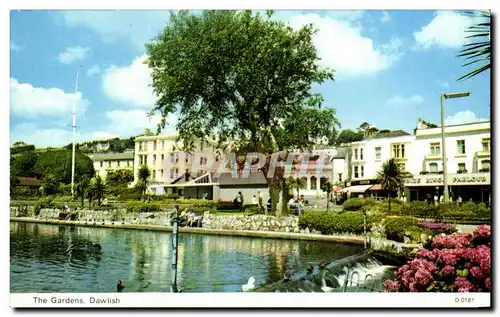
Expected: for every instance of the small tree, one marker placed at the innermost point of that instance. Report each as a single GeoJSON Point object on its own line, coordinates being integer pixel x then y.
{"type": "Point", "coordinates": [327, 187]}
{"type": "Point", "coordinates": [295, 183]}
{"type": "Point", "coordinates": [143, 175]}
{"type": "Point", "coordinates": [82, 187]}
{"type": "Point", "coordinates": [390, 178]}
{"type": "Point", "coordinates": [96, 189]}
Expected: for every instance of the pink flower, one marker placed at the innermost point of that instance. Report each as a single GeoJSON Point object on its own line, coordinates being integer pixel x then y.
{"type": "Point", "coordinates": [449, 259]}
{"type": "Point", "coordinates": [391, 286]}
{"type": "Point", "coordinates": [476, 272]}
{"type": "Point", "coordinates": [423, 277]}
{"type": "Point", "coordinates": [463, 284]}
{"type": "Point", "coordinates": [483, 231]}
{"type": "Point", "coordinates": [448, 271]}
{"type": "Point", "coordinates": [413, 288]}
{"type": "Point", "coordinates": [487, 283]}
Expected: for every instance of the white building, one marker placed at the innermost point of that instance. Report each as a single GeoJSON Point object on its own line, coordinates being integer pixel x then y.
{"type": "Point", "coordinates": [107, 162]}
{"type": "Point", "coordinates": [467, 152]}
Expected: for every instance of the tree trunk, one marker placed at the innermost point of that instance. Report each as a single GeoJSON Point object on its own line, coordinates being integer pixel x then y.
{"type": "Point", "coordinates": [283, 211]}
{"type": "Point", "coordinates": [327, 201]}
{"type": "Point", "coordinates": [274, 193]}
{"type": "Point", "coordinates": [389, 202]}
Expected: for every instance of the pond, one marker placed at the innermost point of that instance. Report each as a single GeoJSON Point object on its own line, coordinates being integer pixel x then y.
{"type": "Point", "coordinates": [52, 258]}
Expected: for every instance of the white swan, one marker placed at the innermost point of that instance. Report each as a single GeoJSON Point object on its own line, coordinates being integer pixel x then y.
{"type": "Point", "coordinates": [250, 285]}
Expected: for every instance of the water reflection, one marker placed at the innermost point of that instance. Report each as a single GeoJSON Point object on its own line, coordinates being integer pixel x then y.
{"type": "Point", "coordinates": [50, 258]}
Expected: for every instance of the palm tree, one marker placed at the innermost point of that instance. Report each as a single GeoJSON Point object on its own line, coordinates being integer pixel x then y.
{"type": "Point", "coordinates": [96, 189]}
{"type": "Point", "coordinates": [143, 175]}
{"type": "Point", "coordinates": [480, 49]}
{"type": "Point", "coordinates": [81, 188]}
{"type": "Point", "coordinates": [391, 178]}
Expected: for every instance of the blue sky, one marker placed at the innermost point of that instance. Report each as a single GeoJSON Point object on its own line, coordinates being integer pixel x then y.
{"type": "Point", "coordinates": [391, 67]}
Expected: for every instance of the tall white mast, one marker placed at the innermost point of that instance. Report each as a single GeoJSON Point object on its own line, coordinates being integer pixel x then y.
{"type": "Point", "coordinates": [74, 130]}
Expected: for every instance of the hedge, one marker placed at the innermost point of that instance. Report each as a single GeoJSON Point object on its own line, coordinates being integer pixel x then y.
{"type": "Point", "coordinates": [355, 204]}
{"type": "Point", "coordinates": [449, 211]}
{"type": "Point", "coordinates": [397, 227]}
{"type": "Point", "coordinates": [329, 222]}
{"type": "Point", "coordinates": [139, 207]}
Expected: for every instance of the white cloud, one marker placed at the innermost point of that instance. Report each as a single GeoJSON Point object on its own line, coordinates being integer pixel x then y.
{"type": "Point", "coordinates": [31, 133]}
{"type": "Point", "coordinates": [14, 47]}
{"type": "Point", "coordinates": [446, 30]}
{"type": "Point", "coordinates": [385, 17]}
{"type": "Point", "coordinates": [136, 27]}
{"type": "Point", "coordinates": [130, 84]}
{"type": "Point", "coordinates": [29, 101]}
{"type": "Point", "coordinates": [94, 70]}
{"type": "Point", "coordinates": [405, 101]}
{"type": "Point", "coordinates": [342, 47]}
{"type": "Point", "coordinates": [73, 54]}
{"type": "Point", "coordinates": [443, 84]}
{"type": "Point", "coordinates": [461, 117]}
{"type": "Point", "coordinates": [132, 122]}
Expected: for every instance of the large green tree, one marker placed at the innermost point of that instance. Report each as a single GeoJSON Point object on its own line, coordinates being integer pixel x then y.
{"type": "Point", "coordinates": [58, 162]}
{"type": "Point", "coordinates": [348, 136]}
{"type": "Point", "coordinates": [242, 76]}
{"type": "Point", "coordinates": [478, 50]}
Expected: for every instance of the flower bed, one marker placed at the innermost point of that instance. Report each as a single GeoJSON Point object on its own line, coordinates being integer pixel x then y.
{"type": "Point", "coordinates": [453, 263]}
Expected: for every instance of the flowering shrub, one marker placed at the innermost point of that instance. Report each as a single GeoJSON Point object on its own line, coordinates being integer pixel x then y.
{"type": "Point", "coordinates": [455, 263]}
{"type": "Point", "coordinates": [437, 227]}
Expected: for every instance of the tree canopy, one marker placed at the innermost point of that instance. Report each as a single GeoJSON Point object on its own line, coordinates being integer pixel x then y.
{"type": "Point", "coordinates": [58, 163]}
{"type": "Point", "coordinates": [244, 77]}
{"type": "Point", "coordinates": [348, 136]}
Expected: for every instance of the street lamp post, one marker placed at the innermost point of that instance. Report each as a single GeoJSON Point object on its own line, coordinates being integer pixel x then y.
{"type": "Point", "coordinates": [443, 151]}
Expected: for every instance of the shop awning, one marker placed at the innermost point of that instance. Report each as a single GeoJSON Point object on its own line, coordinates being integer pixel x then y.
{"type": "Point", "coordinates": [356, 189]}
{"type": "Point", "coordinates": [376, 187]}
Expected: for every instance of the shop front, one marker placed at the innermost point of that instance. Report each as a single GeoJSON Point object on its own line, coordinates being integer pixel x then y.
{"type": "Point", "coordinates": [467, 186]}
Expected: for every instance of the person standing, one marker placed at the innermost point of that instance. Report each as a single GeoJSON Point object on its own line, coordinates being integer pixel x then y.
{"type": "Point", "coordinates": [459, 200]}
{"type": "Point", "coordinates": [254, 200]}
{"type": "Point", "coordinates": [261, 202]}
{"type": "Point", "coordinates": [241, 201]}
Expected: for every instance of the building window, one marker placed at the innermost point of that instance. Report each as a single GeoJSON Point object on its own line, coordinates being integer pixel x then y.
{"type": "Point", "coordinates": [436, 148]}
{"type": "Point", "coordinates": [461, 146]}
{"type": "Point", "coordinates": [486, 144]}
{"type": "Point", "coordinates": [398, 151]}
{"type": "Point", "coordinates": [101, 163]}
{"type": "Point", "coordinates": [172, 158]}
{"type": "Point", "coordinates": [172, 173]}
{"type": "Point", "coordinates": [154, 159]}
{"type": "Point", "coordinates": [201, 145]}
{"type": "Point", "coordinates": [154, 174]}
{"type": "Point", "coordinates": [154, 145]}
{"type": "Point", "coordinates": [485, 164]}
{"type": "Point", "coordinates": [355, 154]}
{"type": "Point", "coordinates": [433, 167]}
{"type": "Point", "coordinates": [118, 163]}
{"type": "Point", "coordinates": [461, 167]}
{"type": "Point", "coordinates": [161, 173]}
{"type": "Point", "coordinates": [360, 154]}
{"type": "Point", "coordinates": [378, 153]}
{"type": "Point", "coordinates": [177, 158]}
{"type": "Point", "coordinates": [162, 158]}
{"type": "Point", "coordinates": [313, 182]}
{"type": "Point", "coordinates": [362, 171]}
{"type": "Point", "coordinates": [356, 175]}
{"type": "Point", "coordinates": [340, 177]}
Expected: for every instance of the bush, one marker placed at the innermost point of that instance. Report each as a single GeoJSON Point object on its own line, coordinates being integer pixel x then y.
{"type": "Point", "coordinates": [482, 211]}
{"type": "Point", "coordinates": [130, 196]}
{"type": "Point", "coordinates": [397, 227]}
{"type": "Point", "coordinates": [329, 222]}
{"type": "Point", "coordinates": [139, 207]}
{"type": "Point", "coordinates": [353, 204]}
{"type": "Point", "coordinates": [420, 209]}
{"type": "Point", "coordinates": [453, 263]}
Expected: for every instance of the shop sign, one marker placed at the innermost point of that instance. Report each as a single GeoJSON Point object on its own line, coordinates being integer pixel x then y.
{"type": "Point", "coordinates": [453, 179]}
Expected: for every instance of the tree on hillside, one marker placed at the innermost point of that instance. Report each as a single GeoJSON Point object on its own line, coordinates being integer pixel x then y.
{"type": "Point", "coordinates": [348, 136]}
{"type": "Point", "coordinates": [241, 76]}
{"type": "Point", "coordinates": [59, 164]}
{"type": "Point", "coordinates": [23, 164]}
{"type": "Point", "coordinates": [391, 178]}
{"type": "Point", "coordinates": [479, 49]}
{"type": "Point", "coordinates": [143, 175]}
